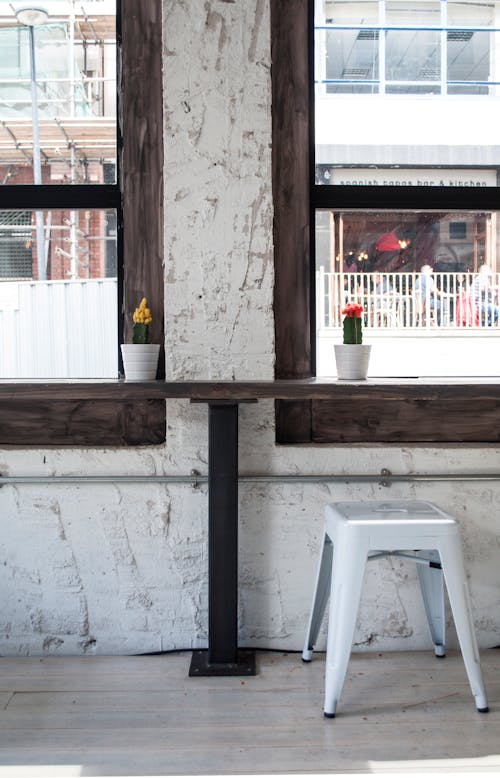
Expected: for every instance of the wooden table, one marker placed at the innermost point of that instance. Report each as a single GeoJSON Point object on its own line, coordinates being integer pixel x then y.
{"type": "Point", "coordinates": [223, 399]}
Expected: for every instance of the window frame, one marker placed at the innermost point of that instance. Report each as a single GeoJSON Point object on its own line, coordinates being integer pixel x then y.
{"type": "Point", "coordinates": [357, 419]}
{"type": "Point", "coordinates": [137, 198]}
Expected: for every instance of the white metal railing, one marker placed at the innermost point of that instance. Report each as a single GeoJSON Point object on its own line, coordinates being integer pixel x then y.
{"type": "Point", "coordinates": [394, 301]}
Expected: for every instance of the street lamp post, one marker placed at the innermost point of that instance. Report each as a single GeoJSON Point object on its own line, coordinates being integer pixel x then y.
{"type": "Point", "coordinates": [30, 17]}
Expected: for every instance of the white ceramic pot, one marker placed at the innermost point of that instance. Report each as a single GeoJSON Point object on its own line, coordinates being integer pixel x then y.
{"type": "Point", "coordinates": [140, 361]}
{"type": "Point", "coordinates": [352, 360]}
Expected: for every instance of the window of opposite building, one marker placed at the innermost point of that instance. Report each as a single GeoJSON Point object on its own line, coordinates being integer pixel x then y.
{"type": "Point", "coordinates": [387, 47]}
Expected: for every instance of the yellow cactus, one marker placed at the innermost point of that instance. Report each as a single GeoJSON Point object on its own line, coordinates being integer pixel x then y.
{"type": "Point", "coordinates": [142, 314]}
{"type": "Point", "coordinates": [142, 317]}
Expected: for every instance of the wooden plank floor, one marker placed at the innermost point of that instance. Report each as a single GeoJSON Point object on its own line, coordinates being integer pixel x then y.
{"type": "Point", "coordinates": [98, 716]}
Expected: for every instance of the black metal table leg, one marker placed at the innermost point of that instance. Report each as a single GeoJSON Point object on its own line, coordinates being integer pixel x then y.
{"type": "Point", "coordinates": [222, 656]}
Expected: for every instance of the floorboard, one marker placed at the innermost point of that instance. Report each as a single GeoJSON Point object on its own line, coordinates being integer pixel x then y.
{"type": "Point", "coordinates": [403, 712]}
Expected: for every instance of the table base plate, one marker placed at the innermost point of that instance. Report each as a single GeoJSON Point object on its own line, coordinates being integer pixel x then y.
{"type": "Point", "coordinates": [244, 666]}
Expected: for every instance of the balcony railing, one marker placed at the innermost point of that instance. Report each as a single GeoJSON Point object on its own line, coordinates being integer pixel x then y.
{"type": "Point", "coordinates": [396, 301]}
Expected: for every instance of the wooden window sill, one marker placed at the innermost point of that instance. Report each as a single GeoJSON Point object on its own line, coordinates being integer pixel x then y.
{"type": "Point", "coordinates": [316, 410]}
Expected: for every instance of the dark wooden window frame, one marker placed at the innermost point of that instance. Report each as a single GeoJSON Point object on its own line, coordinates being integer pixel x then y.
{"type": "Point", "coordinates": [378, 414]}
{"type": "Point", "coordinates": [137, 198]}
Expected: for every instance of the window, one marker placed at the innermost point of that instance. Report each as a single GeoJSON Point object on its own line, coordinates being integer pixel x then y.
{"type": "Point", "coordinates": [367, 415]}
{"type": "Point", "coordinates": [15, 245]}
{"type": "Point", "coordinates": [58, 113]}
{"type": "Point", "coordinates": [458, 230]}
{"type": "Point", "coordinates": [434, 65]}
{"type": "Point", "coordinates": [107, 216]}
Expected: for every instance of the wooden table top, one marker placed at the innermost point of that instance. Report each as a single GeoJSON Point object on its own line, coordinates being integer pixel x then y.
{"type": "Point", "coordinates": [294, 389]}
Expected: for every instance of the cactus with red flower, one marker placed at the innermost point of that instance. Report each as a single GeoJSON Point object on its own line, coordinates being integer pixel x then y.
{"type": "Point", "coordinates": [353, 323]}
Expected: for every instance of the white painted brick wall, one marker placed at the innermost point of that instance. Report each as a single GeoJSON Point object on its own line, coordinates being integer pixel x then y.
{"type": "Point", "coordinates": [123, 569]}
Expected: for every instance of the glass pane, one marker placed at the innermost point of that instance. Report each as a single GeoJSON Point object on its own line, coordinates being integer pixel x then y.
{"type": "Point", "coordinates": [413, 89]}
{"type": "Point", "coordinates": [395, 90]}
{"type": "Point", "coordinates": [351, 57]}
{"type": "Point", "coordinates": [470, 13]}
{"type": "Point", "coordinates": [346, 12]}
{"type": "Point", "coordinates": [428, 283]}
{"type": "Point", "coordinates": [469, 60]}
{"type": "Point", "coordinates": [412, 56]}
{"type": "Point", "coordinates": [58, 95]}
{"type": "Point", "coordinates": [404, 14]}
{"type": "Point", "coordinates": [346, 51]}
{"type": "Point", "coordinates": [58, 318]}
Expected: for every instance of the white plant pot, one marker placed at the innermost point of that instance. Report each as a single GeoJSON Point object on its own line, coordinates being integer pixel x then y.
{"type": "Point", "coordinates": [352, 360]}
{"type": "Point", "coordinates": [140, 361]}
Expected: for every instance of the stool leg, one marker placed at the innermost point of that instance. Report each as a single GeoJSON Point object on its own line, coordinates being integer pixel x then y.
{"type": "Point", "coordinates": [349, 560]}
{"type": "Point", "coordinates": [320, 598]}
{"type": "Point", "coordinates": [431, 585]}
{"type": "Point", "coordinates": [450, 550]}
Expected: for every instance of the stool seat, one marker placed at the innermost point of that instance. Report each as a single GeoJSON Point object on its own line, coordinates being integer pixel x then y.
{"type": "Point", "coordinates": [357, 532]}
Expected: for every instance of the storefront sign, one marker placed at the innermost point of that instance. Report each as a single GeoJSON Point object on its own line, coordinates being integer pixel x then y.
{"type": "Point", "coordinates": [408, 177]}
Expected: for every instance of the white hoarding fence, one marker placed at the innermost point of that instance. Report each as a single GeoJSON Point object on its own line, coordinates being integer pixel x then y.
{"type": "Point", "coordinates": [59, 329]}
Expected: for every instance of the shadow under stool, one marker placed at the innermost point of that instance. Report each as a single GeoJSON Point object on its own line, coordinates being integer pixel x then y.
{"type": "Point", "coordinates": [359, 531]}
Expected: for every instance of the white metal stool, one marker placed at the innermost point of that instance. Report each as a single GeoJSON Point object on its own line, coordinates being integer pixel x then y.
{"type": "Point", "coordinates": [420, 531]}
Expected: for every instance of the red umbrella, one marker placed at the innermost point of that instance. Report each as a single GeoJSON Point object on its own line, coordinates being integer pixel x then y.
{"type": "Point", "coordinates": [388, 242]}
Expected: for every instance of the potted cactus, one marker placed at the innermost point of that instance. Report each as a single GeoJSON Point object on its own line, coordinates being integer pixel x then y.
{"type": "Point", "coordinates": [352, 356]}
{"type": "Point", "coordinates": [140, 358]}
